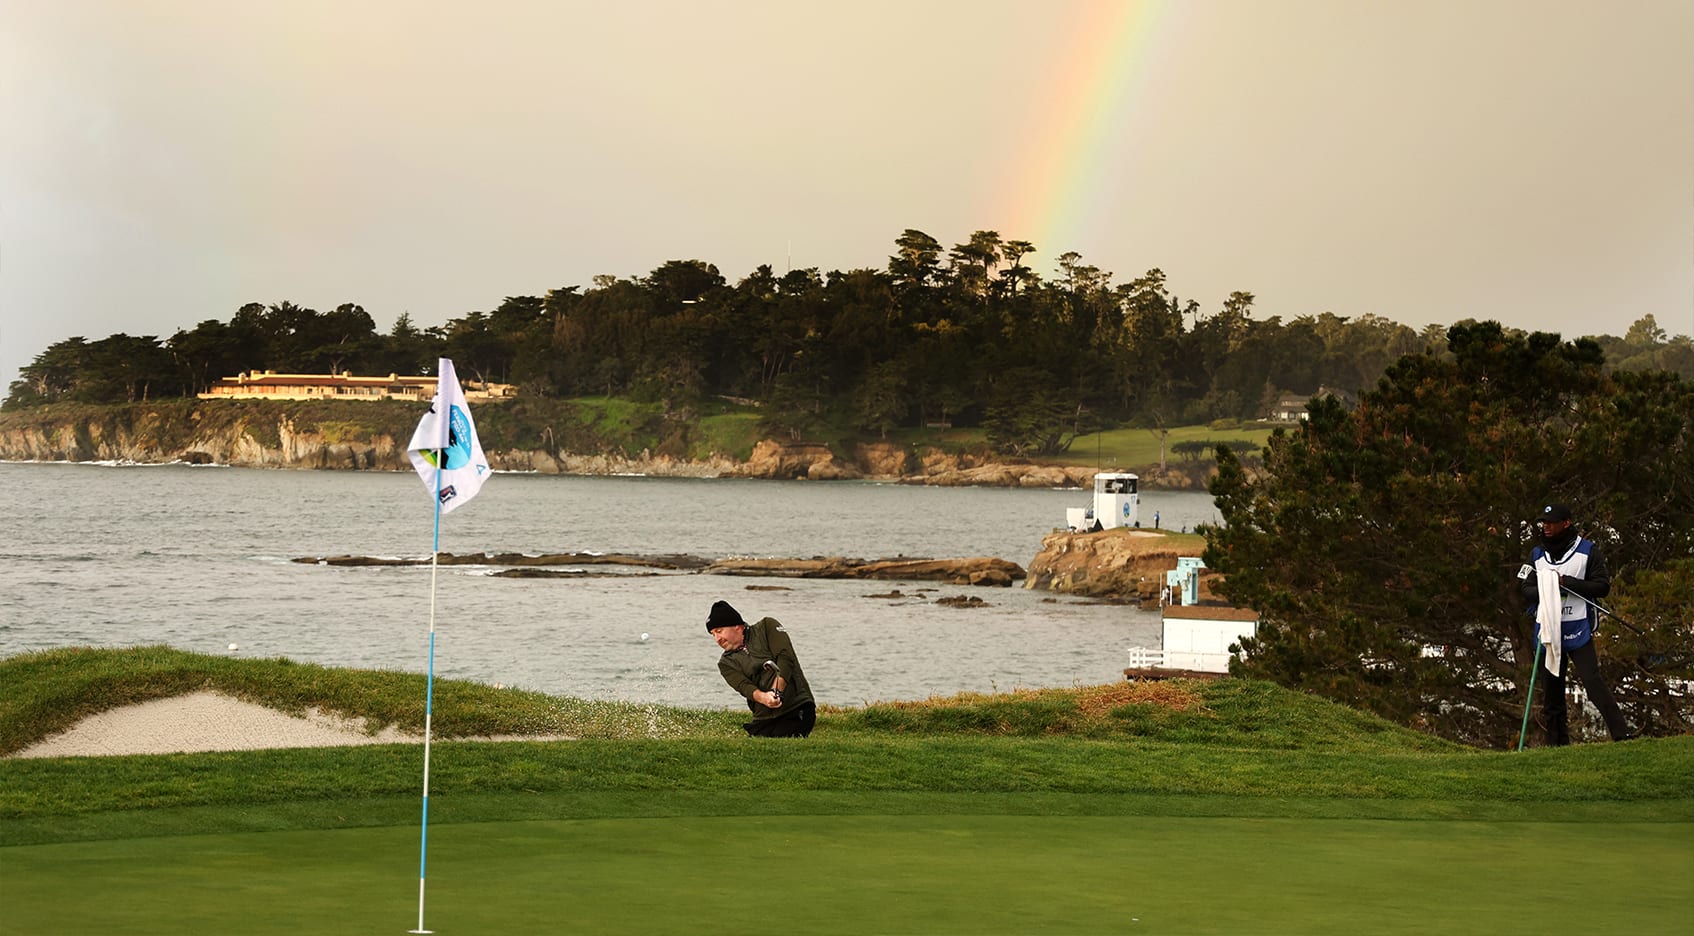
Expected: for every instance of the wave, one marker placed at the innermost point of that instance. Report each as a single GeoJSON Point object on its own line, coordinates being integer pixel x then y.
{"type": "Point", "coordinates": [114, 463]}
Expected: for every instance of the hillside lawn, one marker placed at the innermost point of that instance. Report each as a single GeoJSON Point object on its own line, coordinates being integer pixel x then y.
{"type": "Point", "coordinates": [1221, 807]}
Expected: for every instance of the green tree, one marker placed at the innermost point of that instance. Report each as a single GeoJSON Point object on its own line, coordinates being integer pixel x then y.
{"type": "Point", "coordinates": [1015, 273]}
{"type": "Point", "coordinates": [342, 339]}
{"type": "Point", "coordinates": [880, 401]}
{"type": "Point", "coordinates": [1027, 416]}
{"type": "Point", "coordinates": [1380, 546]}
{"type": "Point", "coordinates": [209, 352]}
{"type": "Point", "coordinates": [524, 325]}
{"type": "Point", "coordinates": [52, 376]}
{"type": "Point", "coordinates": [680, 281]}
{"type": "Point", "coordinates": [974, 262]}
{"type": "Point", "coordinates": [917, 262]}
{"type": "Point", "coordinates": [408, 350]}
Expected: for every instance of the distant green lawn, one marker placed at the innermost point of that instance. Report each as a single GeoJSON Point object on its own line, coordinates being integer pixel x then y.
{"type": "Point", "coordinates": [1133, 448]}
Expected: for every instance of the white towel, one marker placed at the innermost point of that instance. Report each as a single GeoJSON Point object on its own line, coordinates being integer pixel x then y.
{"type": "Point", "coordinates": [1547, 610]}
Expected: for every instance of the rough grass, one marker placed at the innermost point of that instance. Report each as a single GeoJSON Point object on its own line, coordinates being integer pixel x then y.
{"type": "Point", "coordinates": [1229, 712]}
{"type": "Point", "coordinates": [48, 692]}
{"type": "Point", "coordinates": [1246, 748]}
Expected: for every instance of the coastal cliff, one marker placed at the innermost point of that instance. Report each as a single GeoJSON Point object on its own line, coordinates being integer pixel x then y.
{"type": "Point", "coordinates": [372, 436]}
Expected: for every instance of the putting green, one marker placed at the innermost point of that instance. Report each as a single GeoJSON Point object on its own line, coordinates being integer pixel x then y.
{"type": "Point", "coordinates": [858, 874]}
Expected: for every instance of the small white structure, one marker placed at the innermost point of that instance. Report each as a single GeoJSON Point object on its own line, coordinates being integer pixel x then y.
{"type": "Point", "coordinates": [1195, 637]}
{"type": "Point", "coordinates": [1117, 503]}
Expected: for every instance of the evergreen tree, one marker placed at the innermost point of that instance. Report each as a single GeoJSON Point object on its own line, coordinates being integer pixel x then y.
{"type": "Point", "coordinates": [1381, 546]}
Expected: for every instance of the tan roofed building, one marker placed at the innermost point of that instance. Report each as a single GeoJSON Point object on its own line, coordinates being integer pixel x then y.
{"type": "Point", "coordinates": [270, 385]}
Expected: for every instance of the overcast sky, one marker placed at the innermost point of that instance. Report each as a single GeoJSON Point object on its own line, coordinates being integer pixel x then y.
{"type": "Point", "coordinates": [162, 163]}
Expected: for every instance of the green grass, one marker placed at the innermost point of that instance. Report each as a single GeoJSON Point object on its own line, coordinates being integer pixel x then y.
{"type": "Point", "coordinates": [1190, 807]}
{"type": "Point", "coordinates": [614, 416]}
{"type": "Point", "coordinates": [731, 434]}
{"type": "Point", "coordinates": [855, 873]}
{"type": "Point", "coordinates": [1133, 448]}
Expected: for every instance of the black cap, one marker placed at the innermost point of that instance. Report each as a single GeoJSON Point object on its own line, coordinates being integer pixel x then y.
{"type": "Point", "coordinates": [1553, 513]}
{"type": "Point", "coordinates": [723, 616]}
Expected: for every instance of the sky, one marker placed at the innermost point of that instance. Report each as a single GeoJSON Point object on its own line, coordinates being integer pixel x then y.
{"type": "Point", "coordinates": [163, 162]}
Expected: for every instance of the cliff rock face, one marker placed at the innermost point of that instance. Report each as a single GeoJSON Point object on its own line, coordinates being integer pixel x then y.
{"type": "Point", "coordinates": [883, 459]}
{"type": "Point", "coordinates": [375, 439]}
{"type": "Point", "coordinates": [791, 460]}
{"type": "Point", "coordinates": [658, 466]}
{"type": "Point", "coordinates": [815, 462]}
{"type": "Point", "coordinates": [1042, 476]}
{"type": "Point", "coordinates": [230, 445]}
{"type": "Point", "coordinates": [1111, 563]}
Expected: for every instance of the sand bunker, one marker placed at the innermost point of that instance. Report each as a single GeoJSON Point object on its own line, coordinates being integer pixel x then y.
{"type": "Point", "coordinates": [211, 721]}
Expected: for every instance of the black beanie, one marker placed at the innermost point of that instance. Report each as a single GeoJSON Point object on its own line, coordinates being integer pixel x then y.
{"type": "Point", "coordinates": [723, 616]}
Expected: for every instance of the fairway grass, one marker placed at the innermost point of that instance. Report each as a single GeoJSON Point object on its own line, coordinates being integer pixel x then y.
{"type": "Point", "coordinates": [1225, 807]}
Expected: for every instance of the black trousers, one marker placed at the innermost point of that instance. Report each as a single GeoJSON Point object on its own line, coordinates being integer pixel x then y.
{"type": "Point", "coordinates": [795, 724]}
{"type": "Point", "coordinates": [1587, 663]}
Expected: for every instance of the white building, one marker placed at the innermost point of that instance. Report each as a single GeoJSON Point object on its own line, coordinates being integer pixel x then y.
{"type": "Point", "coordinates": [1117, 503]}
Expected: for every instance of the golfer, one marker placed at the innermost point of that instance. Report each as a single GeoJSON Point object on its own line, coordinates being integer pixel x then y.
{"type": "Point", "coordinates": [758, 661]}
{"type": "Point", "coordinates": [1581, 574]}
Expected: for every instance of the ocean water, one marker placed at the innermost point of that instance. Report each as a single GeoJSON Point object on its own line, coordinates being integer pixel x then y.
{"type": "Point", "coordinates": [200, 558]}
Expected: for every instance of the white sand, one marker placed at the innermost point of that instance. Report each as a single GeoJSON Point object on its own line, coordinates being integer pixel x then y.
{"type": "Point", "coordinates": [211, 721]}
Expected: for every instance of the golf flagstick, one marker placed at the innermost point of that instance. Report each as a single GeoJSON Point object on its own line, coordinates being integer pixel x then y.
{"type": "Point", "coordinates": [448, 458]}
{"type": "Point", "coordinates": [429, 705]}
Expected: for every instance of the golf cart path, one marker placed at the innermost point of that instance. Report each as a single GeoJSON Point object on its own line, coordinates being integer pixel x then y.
{"type": "Point", "coordinates": [212, 721]}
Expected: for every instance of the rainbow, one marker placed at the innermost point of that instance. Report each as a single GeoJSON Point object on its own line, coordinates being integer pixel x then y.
{"type": "Point", "coordinates": [1072, 155]}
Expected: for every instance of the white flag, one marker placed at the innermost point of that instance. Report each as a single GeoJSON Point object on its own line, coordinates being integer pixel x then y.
{"type": "Point", "coordinates": [446, 443]}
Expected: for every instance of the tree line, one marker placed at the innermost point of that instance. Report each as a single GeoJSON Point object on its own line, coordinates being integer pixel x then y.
{"type": "Point", "coordinates": [1381, 545]}
{"type": "Point", "coordinates": [971, 336]}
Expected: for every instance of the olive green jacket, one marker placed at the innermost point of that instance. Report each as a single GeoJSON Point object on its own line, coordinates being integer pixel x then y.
{"type": "Point", "coordinates": [746, 673]}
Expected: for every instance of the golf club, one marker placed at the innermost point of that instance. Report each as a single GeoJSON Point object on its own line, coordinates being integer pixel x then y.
{"type": "Point", "coordinates": [1529, 699]}
{"type": "Point", "coordinates": [1607, 612]}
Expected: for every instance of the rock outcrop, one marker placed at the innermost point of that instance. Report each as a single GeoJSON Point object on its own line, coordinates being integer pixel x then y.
{"type": "Point", "coordinates": [1041, 476]}
{"type": "Point", "coordinates": [979, 570]}
{"type": "Point", "coordinates": [1118, 563]}
{"type": "Point", "coordinates": [678, 561]}
{"type": "Point", "coordinates": [794, 460]}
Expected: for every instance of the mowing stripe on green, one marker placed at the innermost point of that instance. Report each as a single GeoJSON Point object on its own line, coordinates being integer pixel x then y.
{"type": "Point", "coordinates": [859, 874]}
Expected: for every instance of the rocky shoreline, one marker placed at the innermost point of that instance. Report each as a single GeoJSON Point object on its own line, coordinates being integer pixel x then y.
{"type": "Point", "coordinates": [1119, 564]}
{"type": "Point", "coordinates": [305, 449]}
{"type": "Point", "coordinates": [975, 570]}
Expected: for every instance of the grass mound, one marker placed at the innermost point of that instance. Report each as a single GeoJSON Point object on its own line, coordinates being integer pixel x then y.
{"type": "Point", "coordinates": [47, 692]}
{"type": "Point", "coordinates": [50, 691]}
{"type": "Point", "coordinates": [1172, 744]}
{"type": "Point", "coordinates": [1222, 712]}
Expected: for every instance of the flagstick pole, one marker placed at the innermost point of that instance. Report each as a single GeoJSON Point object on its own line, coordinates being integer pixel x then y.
{"type": "Point", "coordinates": [429, 694]}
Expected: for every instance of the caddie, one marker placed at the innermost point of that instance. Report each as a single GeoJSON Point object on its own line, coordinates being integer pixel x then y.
{"type": "Point", "coordinates": [1565, 575]}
